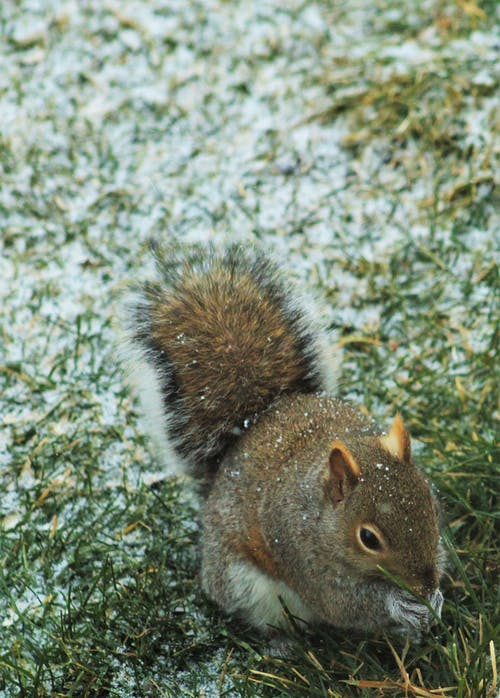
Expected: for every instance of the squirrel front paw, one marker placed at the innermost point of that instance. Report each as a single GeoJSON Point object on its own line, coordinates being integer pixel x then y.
{"type": "Point", "coordinates": [410, 616]}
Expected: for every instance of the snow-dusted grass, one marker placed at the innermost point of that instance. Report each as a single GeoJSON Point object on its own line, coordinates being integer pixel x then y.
{"type": "Point", "coordinates": [356, 141]}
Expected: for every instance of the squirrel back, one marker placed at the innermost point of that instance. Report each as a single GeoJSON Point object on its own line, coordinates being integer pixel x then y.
{"type": "Point", "coordinates": [214, 343]}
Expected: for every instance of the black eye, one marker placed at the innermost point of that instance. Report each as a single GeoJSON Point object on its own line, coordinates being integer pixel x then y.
{"type": "Point", "coordinates": [369, 539]}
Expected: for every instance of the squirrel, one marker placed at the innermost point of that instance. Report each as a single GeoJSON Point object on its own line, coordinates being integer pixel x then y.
{"type": "Point", "coordinates": [306, 503]}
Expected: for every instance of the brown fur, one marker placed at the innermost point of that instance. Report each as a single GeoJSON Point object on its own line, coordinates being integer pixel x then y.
{"type": "Point", "coordinates": [226, 340]}
{"type": "Point", "coordinates": [235, 338]}
{"type": "Point", "coordinates": [254, 549]}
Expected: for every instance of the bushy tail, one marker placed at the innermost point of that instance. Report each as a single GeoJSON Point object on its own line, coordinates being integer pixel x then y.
{"type": "Point", "coordinates": [214, 343]}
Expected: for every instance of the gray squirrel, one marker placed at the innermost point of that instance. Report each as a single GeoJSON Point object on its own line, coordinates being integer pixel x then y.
{"type": "Point", "coordinates": [306, 502]}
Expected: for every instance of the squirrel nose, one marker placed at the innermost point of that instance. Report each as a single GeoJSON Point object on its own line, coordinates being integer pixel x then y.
{"type": "Point", "coordinates": [426, 581]}
{"type": "Point", "coordinates": [430, 580]}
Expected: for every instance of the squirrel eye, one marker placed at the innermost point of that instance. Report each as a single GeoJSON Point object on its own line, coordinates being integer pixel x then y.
{"type": "Point", "coordinates": [369, 539]}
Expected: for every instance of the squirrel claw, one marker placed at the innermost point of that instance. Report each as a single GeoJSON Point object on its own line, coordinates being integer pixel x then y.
{"type": "Point", "coordinates": [412, 617]}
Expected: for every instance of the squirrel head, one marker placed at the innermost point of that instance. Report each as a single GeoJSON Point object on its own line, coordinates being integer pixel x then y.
{"type": "Point", "coordinates": [387, 514]}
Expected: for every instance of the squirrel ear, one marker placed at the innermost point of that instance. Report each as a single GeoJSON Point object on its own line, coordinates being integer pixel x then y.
{"type": "Point", "coordinates": [397, 441]}
{"type": "Point", "coordinates": [344, 471]}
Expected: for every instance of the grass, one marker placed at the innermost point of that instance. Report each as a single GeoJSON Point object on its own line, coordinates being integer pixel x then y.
{"type": "Point", "coordinates": [390, 216]}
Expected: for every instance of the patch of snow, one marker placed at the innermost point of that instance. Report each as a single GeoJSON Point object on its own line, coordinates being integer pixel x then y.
{"type": "Point", "coordinates": [194, 122]}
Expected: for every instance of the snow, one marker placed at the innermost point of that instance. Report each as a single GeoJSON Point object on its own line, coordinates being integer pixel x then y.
{"type": "Point", "coordinates": [193, 121]}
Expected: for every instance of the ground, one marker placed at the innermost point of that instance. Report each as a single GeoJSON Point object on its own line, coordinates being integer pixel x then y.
{"type": "Point", "coordinates": [356, 144]}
